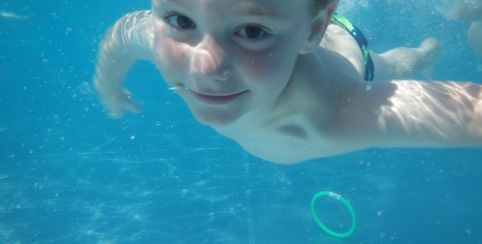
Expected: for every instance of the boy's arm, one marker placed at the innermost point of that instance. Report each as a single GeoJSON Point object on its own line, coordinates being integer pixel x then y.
{"type": "Point", "coordinates": [128, 40]}
{"type": "Point", "coordinates": [412, 114]}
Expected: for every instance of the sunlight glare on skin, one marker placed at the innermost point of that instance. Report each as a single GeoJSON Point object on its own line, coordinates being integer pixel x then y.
{"type": "Point", "coordinates": [429, 111]}
{"type": "Point", "coordinates": [127, 30]}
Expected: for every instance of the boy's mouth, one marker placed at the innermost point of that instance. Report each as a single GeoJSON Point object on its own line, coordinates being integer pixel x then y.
{"type": "Point", "coordinates": [210, 98]}
{"type": "Point", "coordinates": [217, 99]}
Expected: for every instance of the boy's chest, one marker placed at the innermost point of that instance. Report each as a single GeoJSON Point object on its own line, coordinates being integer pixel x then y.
{"type": "Point", "coordinates": [280, 149]}
{"type": "Point", "coordinates": [286, 143]}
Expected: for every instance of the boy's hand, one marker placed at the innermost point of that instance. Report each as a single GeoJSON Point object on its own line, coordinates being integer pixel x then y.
{"type": "Point", "coordinates": [118, 101]}
{"type": "Point", "coordinates": [127, 41]}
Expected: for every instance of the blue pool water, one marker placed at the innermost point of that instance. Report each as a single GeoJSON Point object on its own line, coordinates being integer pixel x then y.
{"type": "Point", "coordinates": [69, 174]}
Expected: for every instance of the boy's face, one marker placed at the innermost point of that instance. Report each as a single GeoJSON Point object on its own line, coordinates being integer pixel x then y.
{"type": "Point", "coordinates": [228, 57]}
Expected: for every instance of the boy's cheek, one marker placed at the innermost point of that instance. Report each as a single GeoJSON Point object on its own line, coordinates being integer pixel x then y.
{"type": "Point", "coordinates": [171, 56]}
{"type": "Point", "coordinates": [266, 65]}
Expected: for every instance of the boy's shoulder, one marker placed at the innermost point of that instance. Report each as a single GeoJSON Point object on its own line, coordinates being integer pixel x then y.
{"type": "Point", "coordinates": [300, 126]}
{"type": "Point", "coordinates": [340, 41]}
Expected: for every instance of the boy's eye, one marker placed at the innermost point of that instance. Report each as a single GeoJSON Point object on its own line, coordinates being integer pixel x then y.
{"type": "Point", "coordinates": [179, 21]}
{"type": "Point", "coordinates": [252, 32]}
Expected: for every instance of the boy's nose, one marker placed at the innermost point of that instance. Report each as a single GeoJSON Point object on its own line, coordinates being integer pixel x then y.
{"type": "Point", "coordinates": [208, 61]}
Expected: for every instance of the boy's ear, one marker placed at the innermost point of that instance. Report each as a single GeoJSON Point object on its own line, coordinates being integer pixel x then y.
{"type": "Point", "coordinates": [318, 27]}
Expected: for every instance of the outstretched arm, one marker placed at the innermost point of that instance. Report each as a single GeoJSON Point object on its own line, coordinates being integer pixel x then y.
{"type": "Point", "coordinates": [128, 40]}
{"type": "Point", "coordinates": [413, 114]}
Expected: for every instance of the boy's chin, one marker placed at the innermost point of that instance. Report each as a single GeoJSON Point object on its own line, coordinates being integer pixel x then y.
{"type": "Point", "coordinates": [216, 119]}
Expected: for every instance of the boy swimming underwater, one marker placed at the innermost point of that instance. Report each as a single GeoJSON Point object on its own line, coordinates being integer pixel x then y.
{"type": "Point", "coordinates": [254, 71]}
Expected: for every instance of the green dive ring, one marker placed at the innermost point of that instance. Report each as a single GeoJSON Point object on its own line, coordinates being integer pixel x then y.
{"type": "Point", "coordinates": [345, 203]}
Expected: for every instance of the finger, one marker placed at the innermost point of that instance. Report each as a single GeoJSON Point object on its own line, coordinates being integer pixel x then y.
{"type": "Point", "coordinates": [115, 113]}
{"type": "Point", "coordinates": [133, 107]}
